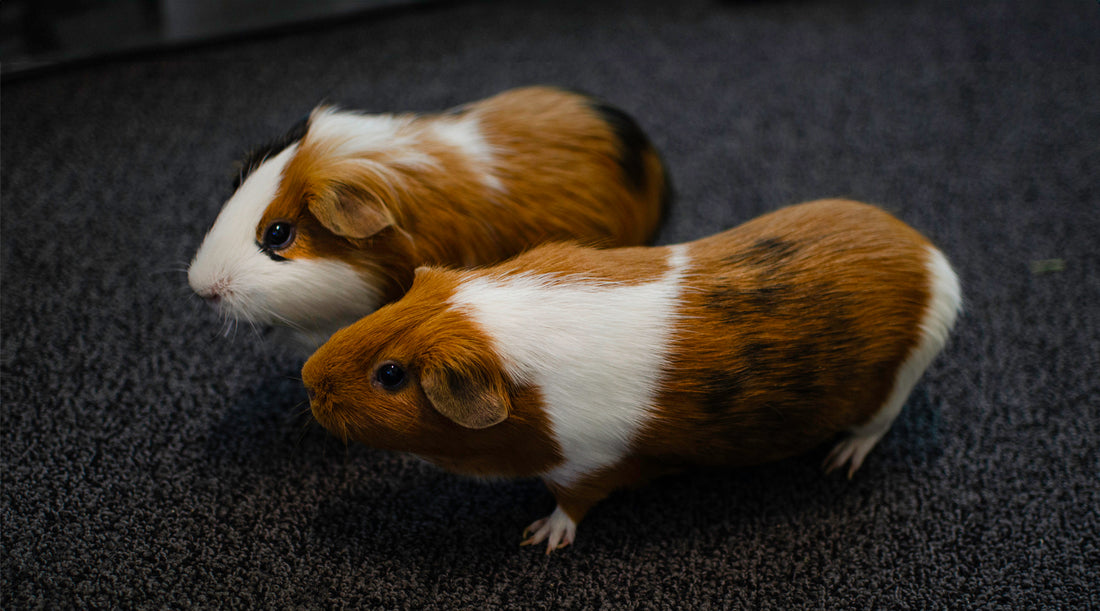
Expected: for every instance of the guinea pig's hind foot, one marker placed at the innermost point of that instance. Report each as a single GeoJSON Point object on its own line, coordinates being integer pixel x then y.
{"type": "Point", "coordinates": [557, 529]}
{"type": "Point", "coordinates": [851, 450]}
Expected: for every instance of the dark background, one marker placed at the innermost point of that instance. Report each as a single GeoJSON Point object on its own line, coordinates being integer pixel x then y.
{"type": "Point", "coordinates": [149, 462]}
{"type": "Point", "coordinates": [39, 35]}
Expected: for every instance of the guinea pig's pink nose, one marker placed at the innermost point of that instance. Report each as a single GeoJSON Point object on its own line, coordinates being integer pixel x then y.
{"type": "Point", "coordinates": [212, 292]}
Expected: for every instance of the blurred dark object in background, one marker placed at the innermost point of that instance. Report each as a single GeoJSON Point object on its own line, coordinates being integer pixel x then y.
{"type": "Point", "coordinates": [39, 34]}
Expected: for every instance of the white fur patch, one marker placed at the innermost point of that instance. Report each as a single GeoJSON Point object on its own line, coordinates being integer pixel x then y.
{"type": "Point", "coordinates": [944, 303]}
{"type": "Point", "coordinates": [350, 133]}
{"type": "Point", "coordinates": [594, 349]}
{"type": "Point", "coordinates": [312, 297]}
{"type": "Point", "coordinates": [465, 135]}
{"type": "Point", "coordinates": [400, 140]}
{"type": "Point", "coordinates": [346, 134]}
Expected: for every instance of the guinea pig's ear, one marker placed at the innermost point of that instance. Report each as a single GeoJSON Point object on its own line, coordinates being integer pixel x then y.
{"type": "Point", "coordinates": [471, 399]}
{"type": "Point", "coordinates": [344, 214]}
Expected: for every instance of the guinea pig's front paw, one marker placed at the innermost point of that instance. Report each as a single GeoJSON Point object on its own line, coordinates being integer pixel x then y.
{"type": "Point", "coordinates": [557, 529]}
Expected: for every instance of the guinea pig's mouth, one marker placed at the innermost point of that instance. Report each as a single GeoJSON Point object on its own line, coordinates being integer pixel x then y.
{"type": "Point", "coordinates": [318, 404]}
{"type": "Point", "coordinates": [327, 413]}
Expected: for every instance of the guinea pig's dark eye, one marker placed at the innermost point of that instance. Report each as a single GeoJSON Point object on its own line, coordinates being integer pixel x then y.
{"type": "Point", "coordinates": [278, 235]}
{"type": "Point", "coordinates": [390, 376]}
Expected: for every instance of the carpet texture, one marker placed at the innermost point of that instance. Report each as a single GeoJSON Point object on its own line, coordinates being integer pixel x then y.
{"type": "Point", "coordinates": [151, 462]}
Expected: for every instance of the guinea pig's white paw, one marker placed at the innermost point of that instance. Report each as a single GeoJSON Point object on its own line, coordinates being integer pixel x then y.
{"type": "Point", "coordinates": [852, 451]}
{"type": "Point", "coordinates": [557, 529]}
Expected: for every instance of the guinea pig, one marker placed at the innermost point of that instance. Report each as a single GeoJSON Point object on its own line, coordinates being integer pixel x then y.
{"type": "Point", "coordinates": [329, 222]}
{"type": "Point", "coordinates": [594, 370]}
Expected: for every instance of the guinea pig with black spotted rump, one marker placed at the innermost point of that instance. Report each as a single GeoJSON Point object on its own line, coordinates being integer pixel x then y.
{"type": "Point", "coordinates": [594, 370]}
{"type": "Point", "coordinates": [329, 222]}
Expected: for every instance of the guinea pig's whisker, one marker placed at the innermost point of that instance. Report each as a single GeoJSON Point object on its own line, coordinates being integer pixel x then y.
{"type": "Point", "coordinates": [303, 430]}
{"type": "Point", "coordinates": [245, 305]}
{"type": "Point", "coordinates": [171, 270]}
{"type": "Point", "coordinates": [283, 319]}
{"type": "Point", "coordinates": [302, 416]}
{"type": "Point", "coordinates": [306, 411]}
{"type": "Point", "coordinates": [229, 326]}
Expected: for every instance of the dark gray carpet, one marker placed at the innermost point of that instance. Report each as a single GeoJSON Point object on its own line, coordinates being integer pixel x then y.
{"type": "Point", "coordinates": [149, 462]}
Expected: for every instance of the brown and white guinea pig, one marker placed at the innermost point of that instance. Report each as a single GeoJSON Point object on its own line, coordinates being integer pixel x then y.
{"type": "Point", "coordinates": [595, 370]}
{"type": "Point", "coordinates": [329, 222]}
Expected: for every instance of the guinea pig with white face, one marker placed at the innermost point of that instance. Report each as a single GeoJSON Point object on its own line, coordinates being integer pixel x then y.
{"type": "Point", "coordinates": [329, 222]}
{"type": "Point", "coordinates": [595, 370]}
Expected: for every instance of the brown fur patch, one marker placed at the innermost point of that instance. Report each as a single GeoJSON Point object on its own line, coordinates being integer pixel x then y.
{"type": "Point", "coordinates": [797, 323]}
{"type": "Point", "coordinates": [574, 263]}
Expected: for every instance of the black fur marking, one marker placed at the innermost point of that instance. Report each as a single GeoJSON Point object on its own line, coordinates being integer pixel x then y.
{"type": "Point", "coordinates": [260, 154]}
{"type": "Point", "coordinates": [790, 372]}
{"type": "Point", "coordinates": [721, 389]}
{"type": "Point", "coordinates": [771, 294]}
{"type": "Point", "coordinates": [797, 373]}
{"type": "Point", "coordinates": [769, 253]}
{"type": "Point", "coordinates": [668, 199]}
{"type": "Point", "coordinates": [738, 304]}
{"type": "Point", "coordinates": [633, 142]}
{"type": "Point", "coordinates": [271, 253]}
